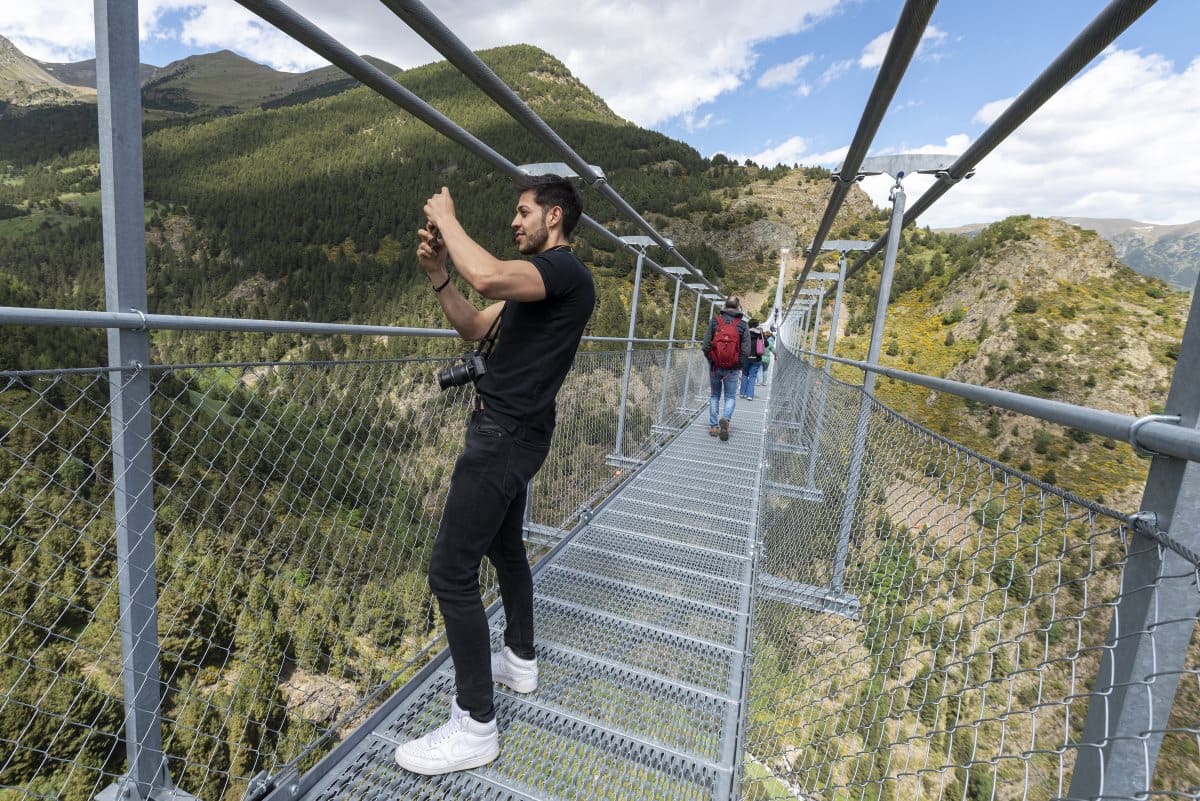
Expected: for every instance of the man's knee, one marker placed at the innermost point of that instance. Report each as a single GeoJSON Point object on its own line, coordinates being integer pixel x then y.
{"type": "Point", "coordinates": [447, 580]}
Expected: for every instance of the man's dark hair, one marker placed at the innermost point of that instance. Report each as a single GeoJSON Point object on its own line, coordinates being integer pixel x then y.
{"type": "Point", "coordinates": [733, 302]}
{"type": "Point", "coordinates": [553, 190]}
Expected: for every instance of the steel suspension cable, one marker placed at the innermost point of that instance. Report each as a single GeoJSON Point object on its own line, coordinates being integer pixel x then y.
{"type": "Point", "coordinates": [909, 29]}
{"type": "Point", "coordinates": [1099, 34]}
{"type": "Point", "coordinates": [426, 24]}
{"type": "Point", "coordinates": [311, 36]}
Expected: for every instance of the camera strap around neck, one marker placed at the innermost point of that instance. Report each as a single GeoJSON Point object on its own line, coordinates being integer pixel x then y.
{"type": "Point", "coordinates": [488, 343]}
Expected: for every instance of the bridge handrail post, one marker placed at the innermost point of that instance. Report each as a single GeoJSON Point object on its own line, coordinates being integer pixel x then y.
{"type": "Point", "coordinates": [687, 375]}
{"type": "Point", "coordinates": [662, 399]}
{"type": "Point", "coordinates": [633, 311]}
{"type": "Point", "coordinates": [122, 204]}
{"type": "Point", "coordinates": [858, 450]}
{"type": "Point", "coordinates": [1155, 615]}
{"type": "Point", "coordinates": [815, 439]}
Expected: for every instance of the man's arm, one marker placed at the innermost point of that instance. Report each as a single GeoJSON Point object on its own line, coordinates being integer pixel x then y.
{"type": "Point", "coordinates": [470, 323]}
{"type": "Point", "coordinates": [493, 278]}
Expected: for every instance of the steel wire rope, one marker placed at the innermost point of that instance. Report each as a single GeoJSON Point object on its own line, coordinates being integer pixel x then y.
{"type": "Point", "coordinates": [427, 25]}
{"type": "Point", "coordinates": [1099, 34]}
{"type": "Point", "coordinates": [287, 20]}
{"type": "Point", "coordinates": [909, 29]}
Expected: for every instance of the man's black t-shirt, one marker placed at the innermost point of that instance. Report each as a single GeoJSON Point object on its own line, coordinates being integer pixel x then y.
{"type": "Point", "coordinates": [537, 344]}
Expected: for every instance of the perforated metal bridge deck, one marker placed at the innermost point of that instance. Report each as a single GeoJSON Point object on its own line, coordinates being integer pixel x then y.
{"type": "Point", "coordinates": [642, 622]}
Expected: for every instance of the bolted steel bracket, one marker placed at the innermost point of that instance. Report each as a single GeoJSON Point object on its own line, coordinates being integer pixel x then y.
{"type": "Point", "coordinates": [1136, 427]}
{"type": "Point", "coordinates": [945, 177]}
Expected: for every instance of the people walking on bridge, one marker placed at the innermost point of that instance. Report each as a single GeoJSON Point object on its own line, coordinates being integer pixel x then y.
{"type": "Point", "coordinates": [768, 355]}
{"type": "Point", "coordinates": [546, 300]}
{"type": "Point", "coordinates": [753, 361]}
{"type": "Point", "coordinates": [727, 347]}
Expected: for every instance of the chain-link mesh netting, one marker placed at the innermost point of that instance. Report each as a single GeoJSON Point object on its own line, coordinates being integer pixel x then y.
{"type": "Point", "coordinates": [296, 506]}
{"type": "Point", "coordinates": [941, 641]}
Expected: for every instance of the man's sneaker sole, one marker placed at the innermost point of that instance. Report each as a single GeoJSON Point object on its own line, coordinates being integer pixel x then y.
{"type": "Point", "coordinates": [429, 769]}
{"type": "Point", "coordinates": [524, 686]}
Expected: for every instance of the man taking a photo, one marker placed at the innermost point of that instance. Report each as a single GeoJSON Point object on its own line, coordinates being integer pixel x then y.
{"type": "Point", "coordinates": [545, 300]}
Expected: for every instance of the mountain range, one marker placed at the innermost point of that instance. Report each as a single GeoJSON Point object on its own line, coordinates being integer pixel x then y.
{"type": "Point", "coordinates": [24, 83]}
{"type": "Point", "coordinates": [213, 83]}
{"type": "Point", "coordinates": [1169, 252]}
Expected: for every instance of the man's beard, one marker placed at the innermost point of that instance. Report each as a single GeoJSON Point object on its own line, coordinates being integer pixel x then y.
{"type": "Point", "coordinates": [534, 240]}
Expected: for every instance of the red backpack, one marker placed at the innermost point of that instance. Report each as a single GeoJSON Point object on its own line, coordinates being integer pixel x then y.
{"type": "Point", "coordinates": [726, 343]}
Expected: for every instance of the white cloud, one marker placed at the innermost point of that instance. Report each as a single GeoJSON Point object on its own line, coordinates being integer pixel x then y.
{"type": "Point", "coordinates": [49, 32]}
{"type": "Point", "coordinates": [876, 49]}
{"type": "Point", "coordinates": [693, 124]}
{"type": "Point", "coordinates": [66, 31]}
{"type": "Point", "coordinates": [234, 28]}
{"type": "Point", "coordinates": [1118, 141]}
{"type": "Point", "coordinates": [834, 71]}
{"type": "Point", "coordinates": [873, 54]}
{"type": "Point", "coordinates": [650, 61]}
{"type": "Point", "coordinates": [784, 74]}
{"type": "Point", "coordinates": [792, 151]}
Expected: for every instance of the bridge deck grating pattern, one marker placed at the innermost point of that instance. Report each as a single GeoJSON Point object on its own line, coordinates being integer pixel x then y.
{"type": "Point", "coordinates": [641, 626]}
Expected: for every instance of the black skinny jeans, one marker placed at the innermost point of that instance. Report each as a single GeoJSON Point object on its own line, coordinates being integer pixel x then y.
{"type": "Point", "coordinates": [483, 517]}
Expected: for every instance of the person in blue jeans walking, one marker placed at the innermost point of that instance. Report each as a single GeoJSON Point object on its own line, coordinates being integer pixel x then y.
{"type": "Point", "coordinates": [754, 362]}
{"type": "Point", "coordinates": [727, 348]}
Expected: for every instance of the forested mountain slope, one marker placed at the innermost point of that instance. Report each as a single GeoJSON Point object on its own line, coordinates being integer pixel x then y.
{"type": "Point", "coordinates": [263, 213]}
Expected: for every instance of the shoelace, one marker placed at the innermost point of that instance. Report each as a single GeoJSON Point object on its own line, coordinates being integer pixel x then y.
{"type": "Point", "coordinates": [443, 732]}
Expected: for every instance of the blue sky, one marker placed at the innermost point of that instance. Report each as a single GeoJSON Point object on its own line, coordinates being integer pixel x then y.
{"type": "Point", "coordinates": [786, 82]}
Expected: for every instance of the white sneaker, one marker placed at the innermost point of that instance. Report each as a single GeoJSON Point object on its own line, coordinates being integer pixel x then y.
{"type": "Point", "coordinates": [514, 672]}
{"type": "Point", "coordinates": [458, 744]}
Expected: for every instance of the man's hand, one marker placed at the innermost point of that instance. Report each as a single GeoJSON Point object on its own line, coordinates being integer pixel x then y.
{"type": "Point", "coordinates": [439, 210]}
{"type": "Point", "coordinates": [431, 252]}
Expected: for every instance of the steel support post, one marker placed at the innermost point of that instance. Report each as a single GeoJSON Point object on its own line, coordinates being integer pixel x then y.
{"type": "Point", "coordinates": [837, 309]}
{"type": "Point", "coordinates": [814, 324]}
{"type": "Point", "coordinates": [687, 375]}
{"type": "Point", "coordinates": [858, 450]}
{"type": "Point", "coordinates": [662, 399]}
{"type": "Point", "coordinates": [825, 379]}
{"type": "Point", "coordinates": [817, 327]}
{"type": "Point", "coordinates": [1155, 616]}
{"type": "Point", "coordinates": [777, 311]}
{"type": "Point", "coordinates": [618, 452]}
{"type": "Point", "coordinates": [122, 204]}
{"type": "Point", "coordinates": [807, 320]}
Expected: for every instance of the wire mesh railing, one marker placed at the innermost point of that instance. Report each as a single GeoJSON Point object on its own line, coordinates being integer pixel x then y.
{"type": "Point", "coordinates": [295, 507]}
{"type": "Point", "coordinates": [946, 643]}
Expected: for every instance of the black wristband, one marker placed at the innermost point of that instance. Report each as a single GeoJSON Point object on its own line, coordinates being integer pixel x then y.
{"type": "Point", "coordinates": [445, 284]}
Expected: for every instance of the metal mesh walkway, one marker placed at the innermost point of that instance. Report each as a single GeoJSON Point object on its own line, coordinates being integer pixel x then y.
{"type": "Point", "coordinates": [642, 628]}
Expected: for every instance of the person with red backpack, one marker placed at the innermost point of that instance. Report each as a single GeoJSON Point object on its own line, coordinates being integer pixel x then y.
{"type": "Point", "coordinates": [727, 348]}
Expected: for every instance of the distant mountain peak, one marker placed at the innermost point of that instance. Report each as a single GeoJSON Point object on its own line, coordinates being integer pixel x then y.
{"type": "Point", "coordinates": [25, 84]}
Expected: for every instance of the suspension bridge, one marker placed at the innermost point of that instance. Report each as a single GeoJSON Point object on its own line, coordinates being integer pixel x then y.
{"type": "Point", "coordinates": [850, 606]}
